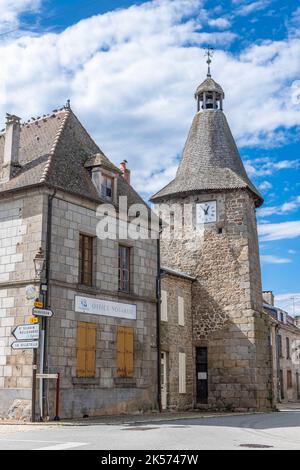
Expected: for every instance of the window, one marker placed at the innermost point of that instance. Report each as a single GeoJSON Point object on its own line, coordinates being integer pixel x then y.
{"type": "Point", "coordinates": [180, 311]}
{"type": "Point", "coordinates": [107, 187]}
{"type": "Point", "coordinates": [86, 259]}
{"type": "Point", "coordinates": [279, 346]}
{"type": "Point", "coordinates": [125, 349]}
{"type": "Point", "coordinates": [288, 348]}
{"type": "Point", "coordinates": [289, 379]}
{"type": "Point", "coordinates": [164, 305]}
{"type": "Point", "coordinates": [124, 268]}
{"type": "Point", "coordinates": [86, 349]}
{"type": "Point", "coordinates": [182, 373]}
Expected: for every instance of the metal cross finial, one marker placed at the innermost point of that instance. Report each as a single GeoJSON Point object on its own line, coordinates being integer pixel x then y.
{"type": "Point", "coordinates": [209, 54]}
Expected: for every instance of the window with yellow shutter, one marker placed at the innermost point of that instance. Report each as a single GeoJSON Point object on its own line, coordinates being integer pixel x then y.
{"type": "Point", "coordinates": [86, 349]}
{"type": "Point", "coordinates": [125, 351]}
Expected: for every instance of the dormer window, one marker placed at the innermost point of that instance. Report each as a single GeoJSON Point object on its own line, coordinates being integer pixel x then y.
{"type": "Point", "coordinates": [107, 185]}
{"type": "Point", "coordinates": [104, 175]}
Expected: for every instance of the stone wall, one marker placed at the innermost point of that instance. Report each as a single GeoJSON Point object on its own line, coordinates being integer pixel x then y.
{"type": "Point", "coordinates": [227, 300]}
{"type": "Point", "coordinates": [105, 393]}
{"type": "Point", "coordinates": [176, 339]}
{"type": "Point", "coordinates": [23, 224]}
{"type": "Point", "coordinates": [20, 237]}
{"type": "Point", "coordinates": [286, 363]}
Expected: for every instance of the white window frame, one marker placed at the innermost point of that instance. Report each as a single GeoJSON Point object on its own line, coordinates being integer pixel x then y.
{"type": "Point", "coordinates": [181, 319]}
{"type": "Point", "coordinates": [164, 305]}
{"type": "Point", "coordinates": [182, 373]}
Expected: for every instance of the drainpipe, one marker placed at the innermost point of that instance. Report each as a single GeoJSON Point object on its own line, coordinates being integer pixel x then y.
{"type": "Point", "coordinates": [47, 304]}
{"type": "Point", "coordinates": [278, 375]}
{"type": "Point", "coordinates": [158, 316]}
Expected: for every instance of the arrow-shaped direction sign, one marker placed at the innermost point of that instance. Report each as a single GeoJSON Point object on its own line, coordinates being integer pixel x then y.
{"type": "Point", "coordinates": [26, 332]}
{"type": "Point", "coordinates": [25, 345]}
{"type": "Point", "coordinates": [42, 312]}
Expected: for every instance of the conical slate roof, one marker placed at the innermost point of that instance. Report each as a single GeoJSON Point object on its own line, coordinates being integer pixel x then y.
{"type": "Point", "coordinates": [211, 160]}
{"type": "Point", "coordinates": [210, 85]}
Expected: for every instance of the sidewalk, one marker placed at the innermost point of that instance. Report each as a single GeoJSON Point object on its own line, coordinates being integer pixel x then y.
{"type": "Point", "coordinates": [128, 419]}
{"type": "Point", "coordinates": [289, 406]}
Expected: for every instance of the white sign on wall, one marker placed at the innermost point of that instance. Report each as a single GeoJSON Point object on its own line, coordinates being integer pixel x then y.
{"type": "Point", "coordinates": [24, 332]}
{"type": "Point", "coordinates": [104, 307]}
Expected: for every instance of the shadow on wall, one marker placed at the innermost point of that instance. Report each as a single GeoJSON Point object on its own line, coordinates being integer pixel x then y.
{"type": "Point", "coordinates": [239, 355]}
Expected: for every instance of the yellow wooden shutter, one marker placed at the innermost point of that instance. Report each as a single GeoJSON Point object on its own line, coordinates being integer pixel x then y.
{"type": "Point", "coordinates": [91, 337]}
{"type": "Point", "coordinates": [81, 351]}
{"type": "Point", "coordinates": [121, 370]}
{"type": "Point", "coordinates": [86, 349]}
{"type": "Point", "coordinates": [129, 346]}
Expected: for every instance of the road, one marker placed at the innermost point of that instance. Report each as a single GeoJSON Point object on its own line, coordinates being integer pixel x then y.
{"type": "Point", "coordinates": [273, 431]}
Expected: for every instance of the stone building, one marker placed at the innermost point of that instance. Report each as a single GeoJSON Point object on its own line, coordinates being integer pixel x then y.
{"type": "Point", "coordinates": [285, 339]}
{"type": "Point", "coordinates": [211, 234]}
{"type": "Point", "coordinates": [177, 352]}
{"type": "Point", "coordinates": [102, 338]}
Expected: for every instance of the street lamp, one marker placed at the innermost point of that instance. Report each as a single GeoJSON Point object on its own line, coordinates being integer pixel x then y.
{"type": "Point", "coordinates": [39, 262]}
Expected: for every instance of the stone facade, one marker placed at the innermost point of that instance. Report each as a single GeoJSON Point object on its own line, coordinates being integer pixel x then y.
{"type": "Point", "coordinates": [51, 162]}
{"type": "Point", "coordinates": [228, 317]}
{"type": "Point", "coordinates": [285, 340]}
{"type": "Point", "coordinates": [105, 393]}
{"type": "Point", "coordinates": [176, 339]}
{"type": "Point", "coordinates": [230, 329]}
{"type": "Point", "coordinates": [21, 220]}
{"type": "Point", "coordinates": [22, 228]}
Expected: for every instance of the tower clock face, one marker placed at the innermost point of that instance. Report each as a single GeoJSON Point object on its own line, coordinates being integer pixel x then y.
{"type": "Point", "coordinates": [207, 212]}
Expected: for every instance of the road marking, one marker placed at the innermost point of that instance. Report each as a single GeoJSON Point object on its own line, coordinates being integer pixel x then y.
{"type": "Point", "coordinates": [27, 440]}
{"type": "Point", "coordinates": [65, 446]}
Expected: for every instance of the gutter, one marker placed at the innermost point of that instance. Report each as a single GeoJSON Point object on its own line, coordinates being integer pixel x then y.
{"type": "Point", "coordinates": [158, 316]}
{"type": "Point", "coordinates": [44, 391]}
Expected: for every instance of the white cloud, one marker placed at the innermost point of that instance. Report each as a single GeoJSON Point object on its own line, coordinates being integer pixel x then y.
{"type": "Point", "coordinates": [131, 75]}
{"type": "Point", "coordinates": [221, 23]}
{"type": "Point", "coordinates": [280, 231]}
{"type": "Point", "coordinates": [283, 209]}
{"type": "Point", "coordinates": [266, 166]}
{"type": "Point", "coordinates": [289, 302]}
{"type": "Point", "coordinates": [12, 9]}
{"type": "Point", "coordinates": [252, 7]}
{"type": "Point", "coordinates": [270, 259]}
{"type": "Point", "coordinates": [265, 186]}
{"type": "Point", "coordinates": [293, 23]}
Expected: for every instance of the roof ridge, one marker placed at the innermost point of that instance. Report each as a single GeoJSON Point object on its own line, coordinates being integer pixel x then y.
{"type": "Point", "coordinates": [54, 147]}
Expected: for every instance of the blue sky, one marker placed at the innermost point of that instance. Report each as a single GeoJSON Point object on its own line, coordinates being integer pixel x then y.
{"type": "Point", "coordinates": [130, 69]}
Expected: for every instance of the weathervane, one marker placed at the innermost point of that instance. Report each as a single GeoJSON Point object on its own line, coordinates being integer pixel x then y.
{"type": "Point", "coordinates": [209, 52]}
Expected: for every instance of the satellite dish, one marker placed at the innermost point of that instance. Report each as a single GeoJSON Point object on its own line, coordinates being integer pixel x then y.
{"type": "Point", "coordinates": [30, 292]}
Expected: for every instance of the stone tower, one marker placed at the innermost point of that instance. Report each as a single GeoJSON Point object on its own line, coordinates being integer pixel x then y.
{"type": "Point", "coordinates": [219, 247]}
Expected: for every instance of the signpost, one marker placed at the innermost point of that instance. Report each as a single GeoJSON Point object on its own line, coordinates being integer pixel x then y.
{"type": "Point", "coordinates": [47, 376]}
{"type": "Point", "coordinates": [25, 345]}
{"type": "Point", "coordinates": [27, 332]}
{"type": "Point", "coordinates": [42, 312]}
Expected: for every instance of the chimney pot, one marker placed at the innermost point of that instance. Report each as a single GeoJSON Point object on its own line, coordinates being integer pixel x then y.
{"type": "Point", "coordinates": [125, 172]}
{"type": "Point", "coordinates": [12, 144]}
{"type": "Point", "coordinates": [268, 297]}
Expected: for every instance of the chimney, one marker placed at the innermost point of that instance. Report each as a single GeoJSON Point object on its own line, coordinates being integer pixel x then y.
{"type": "Point", "coordinates": [268, 297]}
{"type": "Point", "coordinates": [297, 321]}
{"type": "Point", "coordinates": [125, 171]}
{"type": "Point", "coordinates": [11, 147]}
